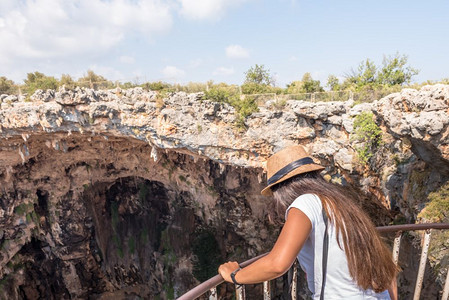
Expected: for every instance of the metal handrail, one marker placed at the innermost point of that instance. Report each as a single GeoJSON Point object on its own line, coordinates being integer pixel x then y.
{"type": "Point", "coordinates": [213, 282]}
{"type": "Point", "coordinates": [217, 279]}
{"type": "Point", "coordinates": [409, 227]}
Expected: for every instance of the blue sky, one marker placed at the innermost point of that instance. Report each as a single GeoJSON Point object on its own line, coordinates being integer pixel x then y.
{"type": "Point", "coordinates": [200, 40]}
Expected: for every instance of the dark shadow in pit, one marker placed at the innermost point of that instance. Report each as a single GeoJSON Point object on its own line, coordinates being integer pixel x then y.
{"type": "Point", "coordinates": [147, 235]}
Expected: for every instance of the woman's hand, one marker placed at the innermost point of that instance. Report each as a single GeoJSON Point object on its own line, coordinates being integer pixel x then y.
{"type": "Point", "coordinates": [293, 236]}
{"type": "Point", "coordinates": [226, 269]}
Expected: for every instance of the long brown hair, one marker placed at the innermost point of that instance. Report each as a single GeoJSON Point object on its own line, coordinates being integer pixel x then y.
{"type": "Point", "coordinates": [370, 263]}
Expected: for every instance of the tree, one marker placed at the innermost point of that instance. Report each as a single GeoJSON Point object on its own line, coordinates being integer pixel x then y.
{"type": "Point", "coordinates": [365, 74]}
{"type": "Point", "coordinates": [67, 81]}
{"type": "Point", "coordinates": [305, 85]}
{"type": "Point", "coordinates": [295, 87]}
{"type": "Point", "coordinates": [395, 71]}
{"type": "Point", "coordinates": [257, 80]}
{"type": "Point", "coordinates": [7, 86]}
{"type": "Point", "coordinates": [310, 85]}
{"type": "Point", "coordinates": [94, 81]}
{"type": "Point", "coordinates": [258, 75]}
{"type": "Point", "coordinates": [39, 80]}
{"type": "Point", "coordinates": [333, 83]}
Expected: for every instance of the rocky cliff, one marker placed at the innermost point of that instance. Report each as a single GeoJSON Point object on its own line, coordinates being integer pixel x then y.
{"type": "Point", "coordinates": [125, 194]}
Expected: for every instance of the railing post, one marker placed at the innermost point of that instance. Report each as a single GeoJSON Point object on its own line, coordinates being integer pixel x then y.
{"type": "Point", "coordinates": [266, 290]}
{"type": "Point", "coordinates": [294, 281]}
{"type": "Point", "coordinates": [396, 246]}
{"type": "Point", "coordinates": [213, 294]}
{"type": "Point", "coordinates": [446, 287]}
{"type": "Point", "coordinates": [240, 292]}
{"type": "Point", "coordinates": [422, 265]}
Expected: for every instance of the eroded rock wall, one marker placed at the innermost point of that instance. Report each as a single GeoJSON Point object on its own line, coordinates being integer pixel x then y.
{"type": "Point", "coordinates": [121, 193]}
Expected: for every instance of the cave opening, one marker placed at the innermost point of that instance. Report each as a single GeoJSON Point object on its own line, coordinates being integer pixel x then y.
{"type": "Point", "coordinates": [143, 229]}
{"type": "Point", "coordinates": [114, 220]}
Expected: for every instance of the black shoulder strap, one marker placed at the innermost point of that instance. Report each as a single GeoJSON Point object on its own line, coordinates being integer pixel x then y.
{"type": "Point", "coordinates": [325, 250]}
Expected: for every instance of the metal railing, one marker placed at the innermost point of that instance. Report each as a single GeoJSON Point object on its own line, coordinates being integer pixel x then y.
{"type": "Point", "coordinates": [261, 99]}
{"type": "Point", "coordinates": [211, 284]}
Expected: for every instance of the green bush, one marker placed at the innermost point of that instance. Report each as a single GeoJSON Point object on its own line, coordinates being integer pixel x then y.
{"type": "Point", "coordinates": [157, 86]}
{"type": "Point", "coordinates": [437, 209]}
{"type": "Point", "coordinates": [67, 81]}
{"type": "Point", "coordinates": [244, 106]}
{"type": "Point", "coordinates": [369, 93]}
{"type": "Point", "coordinates": [39, 80]}
{"type": "Point", "coordinates": [191, 87]}
{"type": "Point", "coordinates": [94, 81]}
{"type": "Point", "coordinates": [368, 133]}
{"type": "Point", "coordinates": [306, 85]}
{"type": "Point", "coordinates": [258, 80]}
{"type": "Point", "coordinates": [221, 94]}
{"type": "Point", "coordinates": [128, 85]}
{"type": "Point", "coordinates": [254, 88]}
{"type": "Point", "coordinates": [7, 86]}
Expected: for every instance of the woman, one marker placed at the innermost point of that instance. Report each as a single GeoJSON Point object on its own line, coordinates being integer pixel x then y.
{"type": "Point", "coordinates": [360, 266]}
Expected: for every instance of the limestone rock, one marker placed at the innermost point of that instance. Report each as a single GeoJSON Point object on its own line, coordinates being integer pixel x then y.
{"type": "Point", "coordinates": [41, 95]}
{"type": "Point", "coordinates": [99, 186]}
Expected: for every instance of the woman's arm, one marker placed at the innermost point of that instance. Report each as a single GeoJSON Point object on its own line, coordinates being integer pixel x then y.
{"type": "Point", "coordinates": [393, 289]}
{"type": "Point", "coordinates": [290, 241]}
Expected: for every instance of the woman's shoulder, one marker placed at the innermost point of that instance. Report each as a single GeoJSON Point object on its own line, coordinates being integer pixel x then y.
{"type": "Point", "coordinates": [310, 199]}
{"type": "Point", "coordinates": [310, 204]}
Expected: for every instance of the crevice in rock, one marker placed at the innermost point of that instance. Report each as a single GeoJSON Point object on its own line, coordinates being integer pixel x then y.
{"type": "Point", "coordinates": [42, 203]}
{"type": "Point", "coordinates": [431, 155]}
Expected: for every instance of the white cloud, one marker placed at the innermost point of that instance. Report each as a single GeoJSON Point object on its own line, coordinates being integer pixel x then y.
{"type": "Point", "coordinates": [236, 51]}
{"type": "Point", "coordinates": [172, 72]}
{"type": "Point", "coordinates": [40, 29]}
{"type": "Point", "coordinates": [293, 58]}
{"type": "Point", "coordinates": [207, 9]}
{"type": "Point", "coordinates": [224, 71]}
{"type": "Point", "coordinates": [127, 59]}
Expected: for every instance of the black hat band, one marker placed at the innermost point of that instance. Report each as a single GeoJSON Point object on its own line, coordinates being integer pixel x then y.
{"type": "Point", "coordinates": [288, 168]}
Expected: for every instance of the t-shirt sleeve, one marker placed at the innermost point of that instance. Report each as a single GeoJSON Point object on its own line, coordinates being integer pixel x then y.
{"type": "Point", "coordinates": [310, 205]}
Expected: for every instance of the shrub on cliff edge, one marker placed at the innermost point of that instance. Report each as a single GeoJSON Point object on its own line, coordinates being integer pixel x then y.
{"type": "Point", "coordinates": [244, 106]}
{"type": "Point", "coordinates": [368, 134]}
{"type": "Point", "coordinates": [39, 80]}
{"type": "Point", "coordinates": [7, 86]}
{"type": "Point", "coordinates": [437, 209]}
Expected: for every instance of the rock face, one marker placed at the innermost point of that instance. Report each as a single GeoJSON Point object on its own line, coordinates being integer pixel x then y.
{"type": "Point", "coordinates": [125, 194]}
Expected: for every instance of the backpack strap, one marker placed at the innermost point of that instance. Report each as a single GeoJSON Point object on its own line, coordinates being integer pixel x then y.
{"type": "Point", "coordinates": [325, 252]}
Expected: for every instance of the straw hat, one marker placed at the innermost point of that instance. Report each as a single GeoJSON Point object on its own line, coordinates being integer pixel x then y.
{"type": "Point", "coordinates": [287, 163]}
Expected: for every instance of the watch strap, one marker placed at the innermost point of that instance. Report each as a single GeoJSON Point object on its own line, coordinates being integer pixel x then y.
{"type": "Point", "coordinates": [233, 276]}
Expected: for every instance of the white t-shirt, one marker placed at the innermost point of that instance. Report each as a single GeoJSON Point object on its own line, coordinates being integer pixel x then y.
{"type": "Point", "coordinates": [339, 284]}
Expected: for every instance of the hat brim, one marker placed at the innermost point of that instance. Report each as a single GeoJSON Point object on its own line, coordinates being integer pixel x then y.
{"type": "Point", "coordinates": [300, 170]}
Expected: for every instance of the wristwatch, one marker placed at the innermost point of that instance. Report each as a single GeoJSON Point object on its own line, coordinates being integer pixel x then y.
{"type": "Point", "coordinates": [233, 276]}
